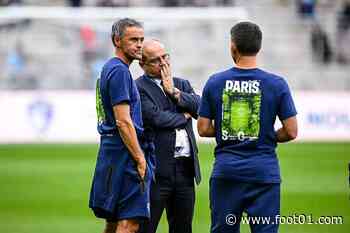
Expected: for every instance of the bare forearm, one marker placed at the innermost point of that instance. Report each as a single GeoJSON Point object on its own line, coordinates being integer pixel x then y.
{"type": "Point", "coordinates": [289, 130]}
{"type": "Point", "coordinates": [210, 132]}
{"type": "Point", "coordinates": [205, 127]}
{"type": "Point", "coordinates": [128, 134]}
{"type": "Point", "coordinates": [283, 136]}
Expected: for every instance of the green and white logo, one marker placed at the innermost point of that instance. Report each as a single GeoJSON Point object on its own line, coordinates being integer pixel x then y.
{"type": "Point", "coordinates": [101, 116]}
{"type": "Point", "coordinates": [241, 110]}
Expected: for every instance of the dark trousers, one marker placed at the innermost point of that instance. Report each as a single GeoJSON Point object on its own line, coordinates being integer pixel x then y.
{"type": "Point", "coordinates": [176, 195]}
{"type": "Point", "coordinates": [230, 198]}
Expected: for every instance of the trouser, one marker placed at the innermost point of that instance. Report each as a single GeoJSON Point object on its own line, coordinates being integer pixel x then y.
{"type": "Point", "coordinates": [175, 194]}
{"type": "Point", "coordinates": [229, 199]}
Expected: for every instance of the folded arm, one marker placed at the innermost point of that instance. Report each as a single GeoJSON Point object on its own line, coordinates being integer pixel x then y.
{"type": "Point", "coordinates": [159, 118]}
{"type": "Point", "coordinates": [189, 101]}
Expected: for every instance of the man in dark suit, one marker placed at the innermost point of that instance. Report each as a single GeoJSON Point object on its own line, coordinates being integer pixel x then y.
{"type": "Point", "coordinates": [168, 105]}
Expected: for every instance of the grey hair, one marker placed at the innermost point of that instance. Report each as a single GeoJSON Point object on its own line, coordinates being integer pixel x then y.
{"type": "Point", "coordinates": [118, 28]}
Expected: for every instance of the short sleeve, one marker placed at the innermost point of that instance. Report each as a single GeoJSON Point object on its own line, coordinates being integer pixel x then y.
{"type": "Point", "coordinates": [286, 106]}
{"type": "Point", "coordinates": [119, 86]}
{"type": "Point", "coordinates": [205, 109]}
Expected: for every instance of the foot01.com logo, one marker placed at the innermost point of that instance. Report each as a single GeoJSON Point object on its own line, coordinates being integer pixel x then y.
{"type": "Point", "coordinates": [296, 219]}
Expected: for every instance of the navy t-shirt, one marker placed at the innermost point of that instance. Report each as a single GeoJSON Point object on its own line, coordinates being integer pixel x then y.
{"type": "Point", "coordinates": [244, 104]}
{"type": "Point", "coordinates": [115, 86]}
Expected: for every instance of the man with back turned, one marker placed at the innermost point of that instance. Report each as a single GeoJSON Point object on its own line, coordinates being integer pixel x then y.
{"type": "Point", "coordinates": [239, 107]}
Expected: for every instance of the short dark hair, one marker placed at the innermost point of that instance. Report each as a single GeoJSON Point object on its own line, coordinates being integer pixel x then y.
{"type": "Point", "coordinates": [247, 37]}
{"type": "Point", "coordinates": [119, 27]}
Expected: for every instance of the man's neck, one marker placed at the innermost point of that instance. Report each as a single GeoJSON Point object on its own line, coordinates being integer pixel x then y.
{"type": "Point", "coordinates": [246, 62]}
{"type": "Point", "coordinates": [119, 54]}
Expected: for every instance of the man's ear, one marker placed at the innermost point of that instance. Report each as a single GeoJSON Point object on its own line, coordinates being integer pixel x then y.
{"type": "Point", "coordinates": [233, 47]}
{"type": "Point", "coordinates": [117, 41]}
{"type": "Point", "coordinates": [234, 52]}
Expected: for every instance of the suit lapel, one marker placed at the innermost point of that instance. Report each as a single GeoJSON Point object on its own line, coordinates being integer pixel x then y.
{"type": "Point", "coordinates": [157, 93]}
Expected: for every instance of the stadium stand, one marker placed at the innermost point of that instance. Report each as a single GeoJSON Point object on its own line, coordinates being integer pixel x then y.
{"type": "Point", "coordinates": [67, 54]}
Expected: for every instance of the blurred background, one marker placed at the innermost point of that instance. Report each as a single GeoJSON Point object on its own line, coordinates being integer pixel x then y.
{"type": "Point", "coordinates": [305, 40]}
{"type": "Point", "coordinates": [51, 53]}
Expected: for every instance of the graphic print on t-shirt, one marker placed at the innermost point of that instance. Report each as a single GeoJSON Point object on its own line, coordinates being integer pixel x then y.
{"type": "Point", "coordinates": [101, 116]}
{"type": "Point", "coordinates": [241, 110]}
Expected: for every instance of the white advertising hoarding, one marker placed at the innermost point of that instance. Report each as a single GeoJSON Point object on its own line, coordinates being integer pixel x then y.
{"type": "Point", "coordinates": [323, 115]}
{"type": "Point", "coordinates": [70, 116]}
{"type": "Point", "coordinates": [47, 116]}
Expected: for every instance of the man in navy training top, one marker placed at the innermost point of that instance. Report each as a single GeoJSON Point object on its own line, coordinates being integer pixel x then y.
{"type": "Point", "coordinates": [120, 188]}
{"type": "Point", "coordinates": [239, 107]}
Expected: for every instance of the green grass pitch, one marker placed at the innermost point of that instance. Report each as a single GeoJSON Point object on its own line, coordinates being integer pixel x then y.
{"type": "Point", "coordinates": [45, 188]}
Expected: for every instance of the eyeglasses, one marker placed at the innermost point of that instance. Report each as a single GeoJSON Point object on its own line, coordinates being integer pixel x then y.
{"type": "Point", "coordinates": [157, 60]}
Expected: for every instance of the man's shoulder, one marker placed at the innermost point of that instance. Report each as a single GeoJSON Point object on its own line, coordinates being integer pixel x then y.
{"type": "Point", "coordinates": [182, 84]}
{"type": "Point", "coordinates": [180, 80]}
{"type": "Point", "coordinates": [216, 79]}
{"type": "Point", "coordinates": [220, 75]}
{"type": "Point", "coordinates": [269, 75]}
{"type": "Point", "coordinates": [115, 65]}
{"type": "Point", "coordinates": [140, 81]}
{"type": "Point", "coordinates": [273, 81]}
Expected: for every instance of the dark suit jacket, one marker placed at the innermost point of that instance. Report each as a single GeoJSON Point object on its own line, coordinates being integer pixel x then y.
{"type": "Point", "coordinates": [161, 116]}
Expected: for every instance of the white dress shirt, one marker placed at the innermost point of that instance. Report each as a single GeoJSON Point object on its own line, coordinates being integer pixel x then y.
{"type": "Point", "coordinates": [182, 143]}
